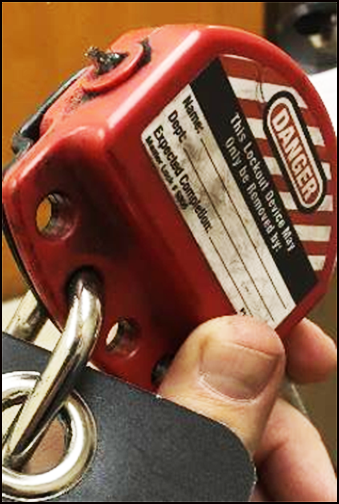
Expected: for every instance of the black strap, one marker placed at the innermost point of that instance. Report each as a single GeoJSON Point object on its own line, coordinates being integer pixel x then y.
{"type": "Point", "coordinates": [149, 449]}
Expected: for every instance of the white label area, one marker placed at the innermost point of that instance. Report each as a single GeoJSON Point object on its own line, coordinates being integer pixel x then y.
{"type": "Point", "coordinates": [191, 164]}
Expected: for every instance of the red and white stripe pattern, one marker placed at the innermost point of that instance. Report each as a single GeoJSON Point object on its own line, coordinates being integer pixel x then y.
{"type": "Point", "coordinates": [254, 86]}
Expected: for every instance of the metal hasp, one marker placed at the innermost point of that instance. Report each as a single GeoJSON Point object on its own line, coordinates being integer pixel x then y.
{"type": "Point", "coordinates": [56, 382]}
{"type": "Point", "coordinates": [28, 320]}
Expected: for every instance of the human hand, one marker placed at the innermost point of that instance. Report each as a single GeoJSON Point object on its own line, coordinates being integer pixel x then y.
{"type": "Point", "coordinates": [231, 369]}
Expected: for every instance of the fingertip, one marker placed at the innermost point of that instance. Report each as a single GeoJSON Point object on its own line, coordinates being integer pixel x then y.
{"type": "Point", "coordinates": [311, 354]}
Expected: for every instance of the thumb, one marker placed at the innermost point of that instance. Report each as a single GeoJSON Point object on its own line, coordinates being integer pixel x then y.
{"type": "Point", "coordinates": [230, 369]}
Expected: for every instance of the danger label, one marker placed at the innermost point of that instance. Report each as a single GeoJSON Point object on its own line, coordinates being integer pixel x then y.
{"type": "Point", "coordinates": [293, 148]}
{"type": "Point", "coordinates": [204, 150]}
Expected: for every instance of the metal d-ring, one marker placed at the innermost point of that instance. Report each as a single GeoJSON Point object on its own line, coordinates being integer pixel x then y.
{"type": "Point", "coordinates": [81, 441]}
{"type": "Point", "coordinates": [55, 384]}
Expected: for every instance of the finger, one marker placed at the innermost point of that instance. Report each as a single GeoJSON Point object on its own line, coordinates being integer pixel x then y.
{"type": "Point", "coordinates": [292, 461]}
{"type": "Point", "coordinates": [311, 354]}
{"type": "Point", "coordinates": [230, 370]}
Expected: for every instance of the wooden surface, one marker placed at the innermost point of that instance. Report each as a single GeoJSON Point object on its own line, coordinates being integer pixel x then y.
{"type": "Point", "coordinates": [44, 42]}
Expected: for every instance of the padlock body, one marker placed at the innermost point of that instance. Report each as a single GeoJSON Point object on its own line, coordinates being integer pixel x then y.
{"type": "Point", "coordinates": [133, 197]}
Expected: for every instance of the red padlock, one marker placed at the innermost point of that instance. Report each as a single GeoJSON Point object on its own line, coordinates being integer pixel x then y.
{"type": "Point", "coordinates": [194, 169]}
